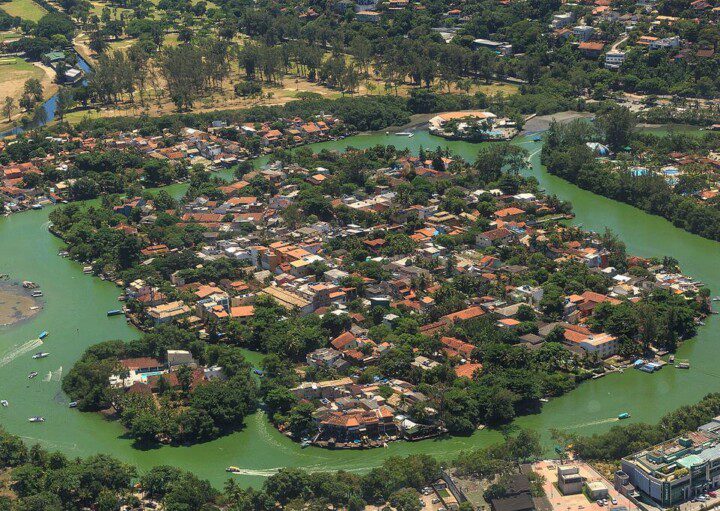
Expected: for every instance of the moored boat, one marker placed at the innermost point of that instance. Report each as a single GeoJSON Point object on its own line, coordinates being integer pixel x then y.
{"type": "Point", "coordinates": [5, 403]}
{"type": "Point", "coordinates": [72, 404]}
{"type": "Point", "coordinates": [114, 312]}
{"type": "Point", "coordinates": [36, 419]}
{"type": "Point", "coordinates": [37, 294]}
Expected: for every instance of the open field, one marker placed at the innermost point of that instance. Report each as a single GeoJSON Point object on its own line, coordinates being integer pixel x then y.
{"type": "Point", "coordinates": [26, 9]}
{"type": "Point", "coordinates": [9, 36]}
{"type": "Point", "coordinates": [13, 74]}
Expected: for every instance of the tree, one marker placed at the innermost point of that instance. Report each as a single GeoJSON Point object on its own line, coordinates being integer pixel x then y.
{"type": "Point", "coordinates": [185, 377]}
{"type": "Point", "coordinates": [8, 107]}
{"type": "Point", "coordinates": [65, 101]}
{"type": "Point", "coordinates": [406, 499]}
{"type": "Point", "coordinates": [617, 126]}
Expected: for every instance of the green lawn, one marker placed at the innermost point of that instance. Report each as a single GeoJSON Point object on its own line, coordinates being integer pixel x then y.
{"type": "Point", "coordinates": [26, 9]}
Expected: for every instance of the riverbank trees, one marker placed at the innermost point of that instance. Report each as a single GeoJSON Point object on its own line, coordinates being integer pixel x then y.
{"type": "Point", "coordinates": [566, 154]}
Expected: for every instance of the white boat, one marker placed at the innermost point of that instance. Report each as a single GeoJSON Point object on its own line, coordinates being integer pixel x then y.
{"type": "Point", "coordinates": [233, 470]}
{"type": "Point", "coordinates": [41, 354]}
{"type": "Point", "coordinates": [4, 403]}
{"type": "Point", "coordinates": [72, 404]}
{"type": "Point", "coordinates": [37, 294]}
{"type": "Point", "coordinates": [34, 308]}
{"type": "Point", "coordinates": [405, 134]}
{"type": "Point", "coordinates": [32, 375]}
{"type": "Point", "coordinates": [716, 299]}
{"type": "Point", "coordinates": [306, 443]}
{"type": "Point", "coordinates": [544, 400]}
{"type": "Point", "coordinates": [36, 419]}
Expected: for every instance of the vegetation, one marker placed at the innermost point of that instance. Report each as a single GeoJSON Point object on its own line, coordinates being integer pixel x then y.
{"type": "Point", "coordinates": [187, 413]}
{"type": "Point", "coordinates": [567, 155]}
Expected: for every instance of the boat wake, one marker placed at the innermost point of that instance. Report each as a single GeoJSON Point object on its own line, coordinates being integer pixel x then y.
{"type": "Point", "coordinates": [593, 423]}
{"type": "Point", "coordinates": [257, 472]}
{"type": "Point", "coordinates": [19, 350]}
{"type": "Point", "coordinates": [55, 375]}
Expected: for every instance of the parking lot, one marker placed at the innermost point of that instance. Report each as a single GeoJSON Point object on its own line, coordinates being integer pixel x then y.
{"type": "Point", "coordinates": [578, 502]}
{"type": "Point", "coordinates": [712, 501]}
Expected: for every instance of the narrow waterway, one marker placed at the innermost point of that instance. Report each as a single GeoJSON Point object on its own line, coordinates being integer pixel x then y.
{"type": "Point", "coordinates": [76, 304]}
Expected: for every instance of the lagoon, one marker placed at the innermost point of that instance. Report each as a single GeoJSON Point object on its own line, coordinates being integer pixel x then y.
{"type": "Point", "coordinates": [75, 316]}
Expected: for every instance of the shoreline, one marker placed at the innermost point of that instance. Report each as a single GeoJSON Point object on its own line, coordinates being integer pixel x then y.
{"type": "Point", "coordinates": [16, 304]}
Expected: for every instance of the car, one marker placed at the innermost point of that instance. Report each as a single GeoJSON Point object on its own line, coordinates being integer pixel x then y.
{"type": "Point", "coordinates": [614, 501]}
{"type": "Point", "coordinates": [600, 503]}
{"type": "Point", "coordinates": [436, 500]}
{"type": "Point", "coordinates": [712, 494]}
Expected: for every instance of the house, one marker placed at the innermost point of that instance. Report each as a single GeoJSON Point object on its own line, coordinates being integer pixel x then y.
{"type": "Point", "coordinates": [494, 237]}
{"type": "Point", "coordinates": [591, 49]}
{"type": "Point", "coordinates": [561, 20]}
{"type": "Point", "coordinates": [664, 43]}
{"type": "Point", "coordinates": [518, 496]}
{"type": "Point", "coordinates": [583, 32]}
{"type": "Point", "coordinates": [614, 59]}
{"type": "Point", "coordinates": [467, 370]}
{"type": "Point", "coordinates": [368, 16]}
{"type": "Point", "coordinates": [456, 348]}
{"type": "Point", "coordinates": [329, 389]}
{"type": "Point", "coordinates": [168, 312]}
{"type": "Point", "coordinates": [502, 48]}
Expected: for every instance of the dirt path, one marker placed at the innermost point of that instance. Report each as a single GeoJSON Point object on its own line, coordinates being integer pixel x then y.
{"type": "Point", "coordinates": [542, 122]}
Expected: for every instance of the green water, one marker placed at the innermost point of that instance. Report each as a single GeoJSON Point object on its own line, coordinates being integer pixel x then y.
{"type": "Point", "coordinates": [75, 310]}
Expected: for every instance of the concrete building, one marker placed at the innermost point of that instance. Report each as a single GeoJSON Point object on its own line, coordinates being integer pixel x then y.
{"type": "Point", "coordinates": [677, 470]}
{"type": "Point", "coordinates": [570, 482]}
{"type": "Point", "coordinates": [596, 490]}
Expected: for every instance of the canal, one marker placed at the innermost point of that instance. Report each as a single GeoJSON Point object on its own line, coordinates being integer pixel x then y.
{"type": "Point", "coordinates": [76, 304]}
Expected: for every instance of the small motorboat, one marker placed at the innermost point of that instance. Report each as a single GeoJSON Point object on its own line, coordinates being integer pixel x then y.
{"type": "Point", "coordinates": [671, 359]}
{"type": "Point", "coordinates": [306, 442]}
{"type": "Point", "coordinates": [114, 312]}
{"type": "Point", "coordinates": [40, 354]}
{"type": "Point", "coordinates": [36, 419]}
{"type": "Point", "coordinates": [405, 134]}
{"type": "Point", "coordinates": [623, 415]}
{"type": "Point", "coordinates": [716, 298]}
{"type": "Point", "coordinates": [544, 400]}
{"type": "Point", "coordinates": [34, 308]}
{"type": "Point", "coordinates": [36, 206]}
{"type": "Point", "coordinates": [72, 404]}
{"type": "Point", "coordinates": [32, 375]}
{"type": "Point", "coordinates": [233, 470]}
{"type": "Point", "coordinates": [43, 334]}
{"type": "Point", "coordinates": [4, 403]}
{"type": "Point", "coordinates": [36, 294]}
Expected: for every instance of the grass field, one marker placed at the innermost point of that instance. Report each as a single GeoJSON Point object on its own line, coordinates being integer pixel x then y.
{"type": "Point", "coordinates": [26, 9]}
{"type": "Point", "coordinates": [13, 74]}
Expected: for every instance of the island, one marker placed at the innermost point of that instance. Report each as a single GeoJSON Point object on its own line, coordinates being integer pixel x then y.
{"type": "Point", "coordinates": [395, 297]}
